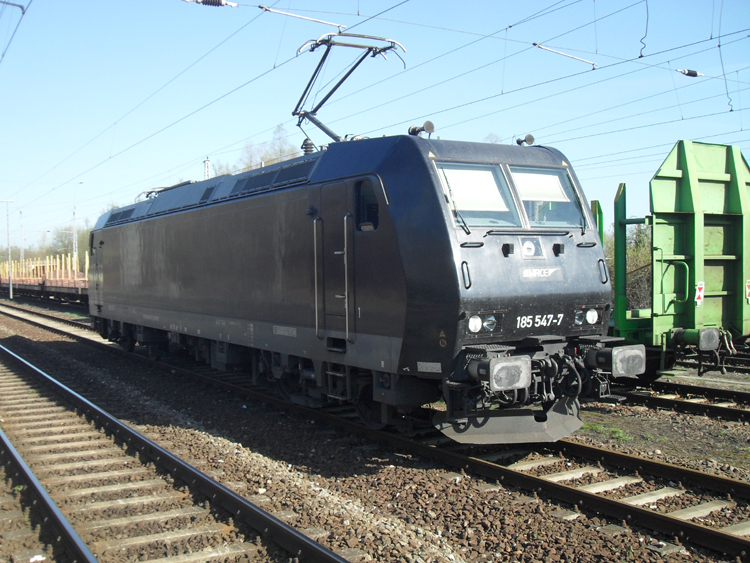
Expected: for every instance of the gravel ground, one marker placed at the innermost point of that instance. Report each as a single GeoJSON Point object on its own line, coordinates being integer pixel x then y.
{"type": "Point", "coordinates": [387, 504]}
{"type": "Point", "coordinates": [20, 539]}
{"type": "Point", "coordinates": [670, 437]}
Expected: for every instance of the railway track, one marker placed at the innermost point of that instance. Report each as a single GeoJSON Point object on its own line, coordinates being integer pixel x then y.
{"type": "Point", "coordinates": [690, 399]}
{"type": "Point", "coordinates": [111, 494]}
{"type": "Point", "coordinates": [739, 362]}
{"type": "Point", "coordinates": [714, 511]}
{"type": "Point", "coordinates": [22, 538]}
{"type": "Point", "coordinates": [725, 404]}
{"type": "Point", "coordinates": [695, 507]}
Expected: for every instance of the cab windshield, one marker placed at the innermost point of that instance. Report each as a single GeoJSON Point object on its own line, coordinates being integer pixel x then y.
{"type": "Point", "coordinates": [548, 197]}
{"type": "Point", "coordinates": [478, 195]}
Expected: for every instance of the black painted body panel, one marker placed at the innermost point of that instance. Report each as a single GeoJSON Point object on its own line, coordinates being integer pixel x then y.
{"type": "Point", "coordinates": [266, 262]}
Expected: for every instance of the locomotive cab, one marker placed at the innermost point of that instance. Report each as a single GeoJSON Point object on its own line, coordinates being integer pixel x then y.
{"type": "Point", "coordinates": [534, 296]}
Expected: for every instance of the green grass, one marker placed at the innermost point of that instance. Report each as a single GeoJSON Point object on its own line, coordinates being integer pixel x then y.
{"type": "Point", "coordinates": [614, 433]}
{"type": "Point", "coordinates": [620, 435]}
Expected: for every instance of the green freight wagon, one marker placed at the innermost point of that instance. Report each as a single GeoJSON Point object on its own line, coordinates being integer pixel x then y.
{"type": "Point", "coordinates": [700, 260]}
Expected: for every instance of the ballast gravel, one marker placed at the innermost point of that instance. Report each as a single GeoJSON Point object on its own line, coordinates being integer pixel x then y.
{"type": "Point", "coordinates": [368, 501]}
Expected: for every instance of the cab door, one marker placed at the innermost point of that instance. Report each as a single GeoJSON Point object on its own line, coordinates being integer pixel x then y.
{"type": "Point", "coordinates": [335, 258]}
{"type": "Point", "coordinates": [94, 274]}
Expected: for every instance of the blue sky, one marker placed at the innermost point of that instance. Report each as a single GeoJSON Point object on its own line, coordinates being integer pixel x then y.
{"type": "Point", "coordinates": [101, 101]}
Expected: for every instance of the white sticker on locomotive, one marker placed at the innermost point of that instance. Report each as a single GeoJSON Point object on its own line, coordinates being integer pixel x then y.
{"type": "Point", "coordinates": [429, 367]}
{"type": "Point", "coordinates": [285, 331]}
{"type": "Point", "coordinates": [528, 321]}
{"type": "Point", "coordinates": [542, 274]}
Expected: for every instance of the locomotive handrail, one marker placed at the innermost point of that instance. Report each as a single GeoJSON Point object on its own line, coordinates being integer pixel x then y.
{"type": "Point", "coordinates": [515, 231]}
{"type": "Point", "coordinates": [316, 221]}
{"type": "Point", "coordinates": [346, 273]}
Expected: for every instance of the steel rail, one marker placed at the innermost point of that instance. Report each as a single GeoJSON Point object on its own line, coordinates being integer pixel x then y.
{"type": "Point", "coordinates": [670, 471]}
{"type": "Point", "coordinates": [284, 535]}
{"type": "Point", "coordinates": [733, 363]}
{"type": "Point", "coordinates": [740, 397]}
{"type": "Point", "coordinates": [77, 324]}
{"type": "Point", "coordinates": [685, 530]}
{"type": "Point", "coordinates": [686, 405]}
{"type": "Point", "coordinates": [66, 535]}
{"type": "Point", "coordinates": [714, 411]}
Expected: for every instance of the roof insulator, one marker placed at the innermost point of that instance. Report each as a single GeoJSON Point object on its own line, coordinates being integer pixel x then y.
{"type": "Point", "coordinates": [307, 146]}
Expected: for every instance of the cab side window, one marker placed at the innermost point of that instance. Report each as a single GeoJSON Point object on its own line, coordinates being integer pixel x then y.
{"type": "Point", "coordinates": [367, 206]}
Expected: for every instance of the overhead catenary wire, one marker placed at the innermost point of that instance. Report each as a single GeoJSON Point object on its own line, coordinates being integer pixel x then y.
{"type": "Point", "coordinates": [642, 113]}
{"type": "Point", "coordinates": [529, 18]}
{"type": "Point", "coordinates": [495, 38]}
{"type": "Point", "coordinates": [142, 102]}
{"type": "Point", "coordinates": [386, 103]}
{"type": "Point", "coordinates": [464, 74]}
{"type": "Point", "coordinates": [649, 147]}
{"type": "Point", "coordinates": [189, 114]}
{"type": "Point", "coordinates": [636, 127]}
{"type": "Point", "coordinates": [569, 75]}
{"type": "Point", "coordinates": [535, 15]}
{"type": "Point", "coordinates": [645, 34]}
{"type": "Point", "coordinates": [617, 106]}
{"type": "Point", "coordinates": [378, 14]}
{"type": "Point", "coordinates": [482, 37]}
{"type": "Point", "coordinates": [537, 84]}
{"type": "Point", "coordinates": [169, 126]}
{"type": "Point", "coordinates": [721, 59]}
{"type": "Point", "coordinates": [539, 13]}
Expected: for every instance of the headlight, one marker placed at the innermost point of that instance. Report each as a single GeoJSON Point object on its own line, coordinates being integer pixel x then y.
{"type": "Point", "coordinates": [620, 360]}
{"type": "Point", "coordinates": [592, 316]}
{"type": "Point", "coordinates": [475, 323]}
{"type": "Point", "coordinates": [502, 374]}
{"type": "Point", "coordinates": [489, 323]}
{"type": "Point", "coordinates": [580, 316]}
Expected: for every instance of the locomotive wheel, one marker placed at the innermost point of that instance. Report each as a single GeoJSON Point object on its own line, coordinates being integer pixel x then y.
{"type": "Point", "coordinates": [127, 343]}
{"type": "Point", "coordinates": [127, 340]}
{"type": "Point", "coordinates": [287, 386]}
{"type": "Point", "coordinates": [369, 410]}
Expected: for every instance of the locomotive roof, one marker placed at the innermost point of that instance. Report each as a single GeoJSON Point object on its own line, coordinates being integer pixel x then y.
{"type": "Point", "coordinates": [188, 195]}
{"type": "Point", "coordinates": [340, 160]}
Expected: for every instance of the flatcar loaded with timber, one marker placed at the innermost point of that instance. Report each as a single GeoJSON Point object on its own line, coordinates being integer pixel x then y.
{"type": "Point", "coordinates": [394, 273]}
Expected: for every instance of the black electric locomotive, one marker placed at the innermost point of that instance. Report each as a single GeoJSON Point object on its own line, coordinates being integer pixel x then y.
{"type": "Point", "coordinates": [392, 273]}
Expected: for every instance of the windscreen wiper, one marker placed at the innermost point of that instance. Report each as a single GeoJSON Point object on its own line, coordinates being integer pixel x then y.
{"type": "Point", "coordinates": [464, 224]}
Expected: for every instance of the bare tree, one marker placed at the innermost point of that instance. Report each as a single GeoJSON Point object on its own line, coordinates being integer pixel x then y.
{"type": "Point", "coordinates": [639, 271]}
{"type": "Point", "coordinates": [220, 168]}
{"type": "Point", "coordinates": [277, 150]}
{"type": "Point", "coordinates": [638, 264]}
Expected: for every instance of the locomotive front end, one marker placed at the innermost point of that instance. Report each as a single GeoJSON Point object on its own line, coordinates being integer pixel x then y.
{"type": "Point", "coordinates": [535, 299]}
